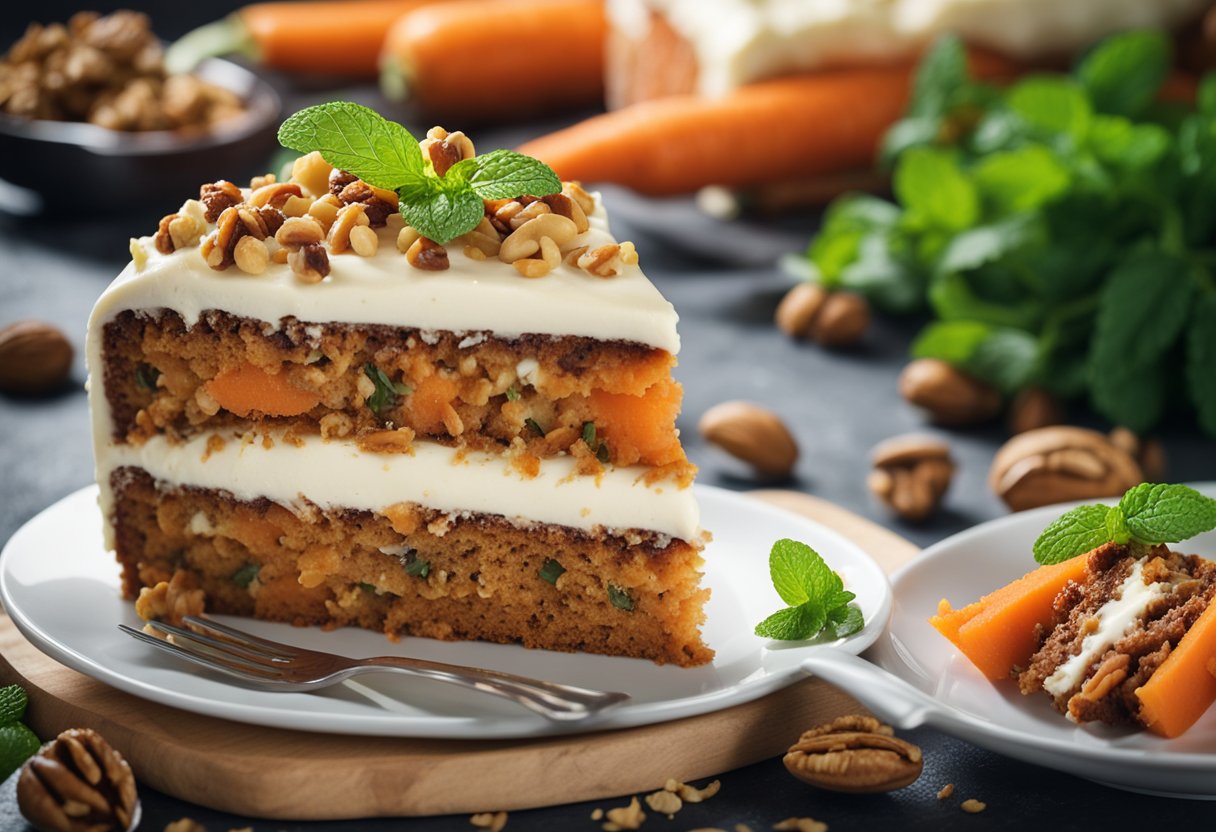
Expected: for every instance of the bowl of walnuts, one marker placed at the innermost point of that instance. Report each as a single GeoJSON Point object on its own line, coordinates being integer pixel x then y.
{"type": "Point", "coordinates": [88, 107]}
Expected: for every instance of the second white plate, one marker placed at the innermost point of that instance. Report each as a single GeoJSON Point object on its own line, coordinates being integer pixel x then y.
{"type": "Point", "coordinates": [61, 589]}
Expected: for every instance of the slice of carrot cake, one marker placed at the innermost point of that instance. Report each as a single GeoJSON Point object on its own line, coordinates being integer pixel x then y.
{"type": "Point", "coordinates": [313, 413]}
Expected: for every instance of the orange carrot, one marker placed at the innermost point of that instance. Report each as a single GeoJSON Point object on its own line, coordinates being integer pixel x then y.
{"type": "Point", "coordinates": [472, 60]}
{"type": "Point", "coordinates": [641, 428]}
{"type": "Point", "coordinates": [773, 131]}
{"type": "Point", "coordinates": [997, 632]}
{"type": "Point", "coordinates": [331, 38]}
{"type": "Point", "coordinates": [1182, 688]}
{"type": "Point", "coordinates": [249, 389]}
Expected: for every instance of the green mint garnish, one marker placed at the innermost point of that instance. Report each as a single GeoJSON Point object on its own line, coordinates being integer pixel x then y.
{"type": "Point", "coordinates": [13, 700]}
{"type": "Point", "coordinates": [1058, 232]}
{"type": "Point", "coordinates": [383, 153]}
{"type": "Point", "coordinates": [589, 434]}
{"type": "Point", "coordinates": [534, 426]}
{"type": "Point", "coordinates": [415, 566]}
{"type": "Point", "coordinates": [146, 376]}
{"type": "Point", "coordinates": [551, 571]}
{"type": "Point", "coordinates": [1148, 514]}
{"type": "Point", "coordinates": [816, 596]}
{"type": "Point", "coordinates": [512, 394]}
{"type": "Point", "coordinates": [387, 390]}
{"type": "Point", "coordinates": [244, 576]}
{"type": "Point", "coordinates": [17, 744]}
{"type": "Point", "coordinates": [620, 598]}
{"type": "Point", "coordinates": [366, 587]}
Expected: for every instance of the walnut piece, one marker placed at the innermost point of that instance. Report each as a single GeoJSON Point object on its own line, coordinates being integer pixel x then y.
{"type": "Point", "coordinates": [833, 319]}
{"type": "Point", "coordinates": [854, 754]}
{"type": "Point", "coordinates": [78, 783]}
{"type": "Point", "coordinates": [1060, 463]}
{"type": "Point", "coordinates": [949, 395]}
{"type": "Point", "coordinates": [753, 434]}
{"type": "Point", "coordinates": [911, 473]}
{"type": "Point", "coordinates": [171, 601]}
{"type": "Point", "coordinates": [35, 358]}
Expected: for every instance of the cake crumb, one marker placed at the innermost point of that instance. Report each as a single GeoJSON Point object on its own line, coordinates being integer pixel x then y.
{"type": "Point", "coordinates": [800, 825]}
{"type": "Point", "coordinates": [973, 806]}
{"type": "Point", "coordinates": [945, 791]}
{"type": "Point", "coordinates": [691, 794]}
{"type": "Point", "coordinates": [625, 817]}
{"type": "Point", "coordinates": [185, 825]}
{"type": "Point", "coordinates": [493, 821]}
{"type": "Point", "coordinates": [597, 814]}
{"type": "Point", "coordinates": [665, 803]}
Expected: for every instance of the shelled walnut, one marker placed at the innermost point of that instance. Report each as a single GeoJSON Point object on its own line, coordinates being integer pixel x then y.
{"type": "Point", "coordinates": [854, 754]}
{"type": "Point", "coordinates": [950, 396]}
{"type": "Point", "coordinates": [833, 319]}
{"type": "Point", "coordinates": [78, 783]}
{"type": "Point", "coordinates": [35, 358]}
{"type": "Point", "coordinates": [1056, 464]}
{"type": "Point", "coordinates": [753, 434]}
{"type": "Point", "coordinates": [911, 473]}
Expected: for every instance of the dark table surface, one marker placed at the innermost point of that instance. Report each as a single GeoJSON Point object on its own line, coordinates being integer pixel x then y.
{"type": "Point", "coordinates": [724, 281]}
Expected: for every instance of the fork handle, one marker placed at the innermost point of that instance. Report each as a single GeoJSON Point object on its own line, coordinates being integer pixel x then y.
{"type": "Point", "coordinates": [561, 703]}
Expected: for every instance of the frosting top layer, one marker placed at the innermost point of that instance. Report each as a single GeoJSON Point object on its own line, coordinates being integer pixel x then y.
{"type": "Point", "coordinates": [472, 295]}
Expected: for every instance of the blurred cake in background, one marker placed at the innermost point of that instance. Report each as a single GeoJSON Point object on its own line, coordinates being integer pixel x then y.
{"type": "Point", "coordinates": [658, 48]}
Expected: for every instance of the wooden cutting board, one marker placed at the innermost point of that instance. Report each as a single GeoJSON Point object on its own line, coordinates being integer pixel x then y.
{"type": "Point", "coordinates": [293, 775]}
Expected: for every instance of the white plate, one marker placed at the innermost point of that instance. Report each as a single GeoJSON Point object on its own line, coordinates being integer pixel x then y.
{"type": "Point", "coordinates": [945, 689]}
{"type": "Point", "coordinates": [61, 589]}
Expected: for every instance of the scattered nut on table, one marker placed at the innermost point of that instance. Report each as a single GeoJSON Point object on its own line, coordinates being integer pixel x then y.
{"type": "Point", "coordinates": [35, 358]}
{"type": "Point", "coordinates": [950, 396]}
{"type": "Point", "coordinates": [833, 319]}
{"type": "Point", "coordinates": [854, 754]}
{"type": "Point", "coordinates": [753, 434]}
{"type": "Point", "coordinates": [78, 783]}
{"type": "Point", "coordinates": [911, 473]}
{"type": "Point", "coordinates": [1060, 463]}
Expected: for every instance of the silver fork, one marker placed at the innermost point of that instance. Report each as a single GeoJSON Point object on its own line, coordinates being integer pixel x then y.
{"type": "Point", "coordinates": [270, 665]}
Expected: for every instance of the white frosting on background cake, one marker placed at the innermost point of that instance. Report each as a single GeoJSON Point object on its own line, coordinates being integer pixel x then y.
{"type": "Point", "coordinates": [743, 41]}
{"type": "Point", "coordinates": [471, 296]}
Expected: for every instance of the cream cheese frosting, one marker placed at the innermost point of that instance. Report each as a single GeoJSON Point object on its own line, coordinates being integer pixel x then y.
{"type": "Point", "coordinates": [747, 40]}
{"type": "Point", "coordinates": [336, 474]}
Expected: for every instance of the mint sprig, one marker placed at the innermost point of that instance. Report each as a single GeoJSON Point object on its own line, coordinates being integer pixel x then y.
{"type": "Point", "coordinates": [387, 390]}
{"type": "Point", "coordinates": [17, 742]}
{"type": "Point", "coordinates": [816, 596]}
{"type": "Point", "coordinates": [383, 153]}
{"type": "Point", "coordinates": [1147, 514]}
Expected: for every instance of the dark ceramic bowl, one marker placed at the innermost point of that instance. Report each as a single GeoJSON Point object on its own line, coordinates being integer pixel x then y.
{"type": "Point", "coordinates": [96, 169]}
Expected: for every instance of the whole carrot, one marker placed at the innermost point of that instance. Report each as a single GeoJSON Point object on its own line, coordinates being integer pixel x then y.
{"type": "Point", "coordinates": [774, 131]}
{"type": "Point", "coordinates": [475, 60]}
{"type": "Point", "coordinates": [334, 38]}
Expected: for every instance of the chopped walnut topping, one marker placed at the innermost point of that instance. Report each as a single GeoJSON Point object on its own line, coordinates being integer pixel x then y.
{"type": "Point", "coordinates": [445, 149]}
{"type": "Point", "coordinates": [262, 181]}
{"type": "Point", "coordinates": [311, 172]}
{"type": "Point", "coordinates": [426, 254]}
{"type": "Point", "coordinates": [364, 241]}
{"type": "Point", "coordinates": [251, 255]}
{"type": "Point", "coordinates": [325, 210]}
{"type": "Point", "coordinates": [162, 240]}
{"type": "Point", "coordinates": [217, 197]}
{"type": "Point", "coordinates": [349, 216]}
{"type": "Point", "coordinates": [583, 199]}
{"type": "Point", "coordinates": [339, 179]}
{"type": "Point", "coordinates": [274, 194]}
{"type": "Point", "coordinates": [608, 260]}
{"type": "Point", "coordinates": [310, 263]}
{"type": "Point", "coordinates": [299, 231]}
{"type": "Point", "coordinates": [218, 246]}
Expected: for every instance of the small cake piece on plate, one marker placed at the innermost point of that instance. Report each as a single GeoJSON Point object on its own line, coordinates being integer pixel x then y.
{"type": "Point", "coordinates": [324, 418]}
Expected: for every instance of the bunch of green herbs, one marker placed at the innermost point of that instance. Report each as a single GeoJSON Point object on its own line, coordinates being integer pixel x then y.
{"type": "Point", "coordinates": [1061, 231]}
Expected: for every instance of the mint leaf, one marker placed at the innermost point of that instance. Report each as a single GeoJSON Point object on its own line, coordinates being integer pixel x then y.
{"type": "Point", "coordinates": [355, 139]}
{"type": "Point", "coordinates": [415, 566]}
{"type": "Point", "coordinates": [845, 621]}
{"type": "Point", "coordinates": [1007, 359]}
{"type": "Point", "coordinates": [13, 700]}
{"type": "Point", "coordinates": [1052, 105]}
{"type": "Point", "coordinates": [1123, 74]}
{"type": "Point", "coordinates": [17, 744]}
{"type": "Point", "coordinates": [244, 576]}
{"type": "Point", "coordinates": [788, 562]}
{"type": "Point", "coordinates": [1130, 396]}
{"type": "Point", "coordinates": [942, 73]}
{"type": "Point", "coordinates": [387, 390]}
{"type": "Point", "coordinates": [501, 174]}
{"type": "Point", "coordinates": [1201, 359]}
{"type": "Point", "coordinates": [951, 341]}
{"type": "Point", "coordinates": [1117, 141]}
{"type": "Point", "coordinates": [439, 209]}
{"type": "Point", "coordinates": [792, 624]}
{"type": "Point", "coordinates": [883, 276]}
{"type": "Point", "coordinates": [1144, 305]}
{"type": "Point", "coordinates": [1160, 513]}
{"type": "Point", "coordinates": [1116, 526]}
{"type": "Point", "coordinates": [1021, 179]}
{"type": "Point", "coordinates": [620, 598]}
{"type": "Point", "coordinates": [1205, 98]}
{"type": "Point", "coordinates": [1071, 534]}
{"type": "Point", "coordinates": [551, 570]}
{"type": "Point", "coordinates": [845, 225]}
{"type": "Point", "coordinates": [934, 190]}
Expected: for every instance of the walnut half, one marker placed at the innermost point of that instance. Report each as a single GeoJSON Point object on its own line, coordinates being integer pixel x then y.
{"type": "Point", "coordinates": [78, 783]}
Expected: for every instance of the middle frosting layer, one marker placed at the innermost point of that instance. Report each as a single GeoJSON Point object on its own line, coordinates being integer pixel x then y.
{"type": "Point", "coordinates": [335, 474]}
